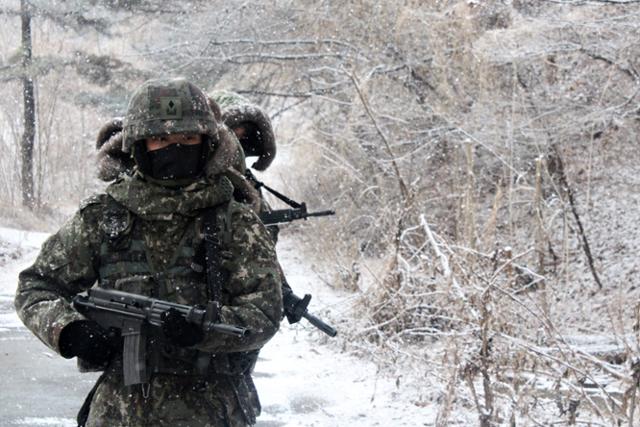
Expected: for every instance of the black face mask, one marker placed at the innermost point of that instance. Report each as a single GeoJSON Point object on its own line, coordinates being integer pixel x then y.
{"type": "Point", "coordinates": [176, 161]}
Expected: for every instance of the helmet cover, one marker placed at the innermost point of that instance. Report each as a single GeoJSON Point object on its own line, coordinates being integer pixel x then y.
{"type": "Point", "coordinates": [164, 107]}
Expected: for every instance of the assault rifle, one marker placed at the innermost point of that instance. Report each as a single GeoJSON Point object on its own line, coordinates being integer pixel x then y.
{"type": "Point", "coordinates": [132, 314]}
{"type": "Point", "coordinates": [278, 216]}
{"type": "Point", "coordinates": [295, 308]}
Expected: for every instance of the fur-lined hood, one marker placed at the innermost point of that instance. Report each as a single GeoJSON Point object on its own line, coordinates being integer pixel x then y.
{"type": "Point", "coordinates": [112, 161]}
{"type": "Point", "coordinates": [237, 110]}
{"type": "Point", "coordinates": [228, 160]}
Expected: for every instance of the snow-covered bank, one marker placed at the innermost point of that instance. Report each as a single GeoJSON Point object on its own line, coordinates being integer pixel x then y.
{"type": "Point", "coordinates": [18, 249]}
{"type": "Point", "coordinates": [303, 382]}
{"type": "Point", "coordinates": [22, 238]}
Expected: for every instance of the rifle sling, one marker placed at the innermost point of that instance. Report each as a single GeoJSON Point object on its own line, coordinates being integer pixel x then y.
{"type": "Point", "coordinates": [259, 184]}
{"type": "Point", "coordinates": [83, 413]}
{"type": "Point", "coordinates": [215, 275]}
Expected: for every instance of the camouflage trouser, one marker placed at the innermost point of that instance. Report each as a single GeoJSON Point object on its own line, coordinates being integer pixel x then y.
{"type": "Point", "coordinates": [172, 401]}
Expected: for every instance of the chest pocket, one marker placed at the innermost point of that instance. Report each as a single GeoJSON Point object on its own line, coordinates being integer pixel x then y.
{"type": "Point", "coordinates": [123, 258]}
{"type": "Point", "coordinates": [125, 266]}
{"type": "Point", "coordinates": [122, 261]}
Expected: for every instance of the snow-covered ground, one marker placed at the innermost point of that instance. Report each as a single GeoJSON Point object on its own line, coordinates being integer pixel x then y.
{"type": "Point", "coordinates": [302, 381]}
{"type": "Point", "coordinates": [18, 249]}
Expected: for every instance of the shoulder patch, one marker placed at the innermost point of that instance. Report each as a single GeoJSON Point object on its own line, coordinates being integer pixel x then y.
{"type": "Point", "coordinates": [116, 219]}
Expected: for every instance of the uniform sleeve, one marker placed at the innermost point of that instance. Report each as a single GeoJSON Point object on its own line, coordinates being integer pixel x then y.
{"type": "Point", "coordinates": [65, 266]}
{"type": "Point", "coordinates": [253, 290]}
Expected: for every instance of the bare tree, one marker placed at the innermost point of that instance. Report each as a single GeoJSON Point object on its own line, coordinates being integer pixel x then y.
{"type": "Point", "coordinates": [28, 136]}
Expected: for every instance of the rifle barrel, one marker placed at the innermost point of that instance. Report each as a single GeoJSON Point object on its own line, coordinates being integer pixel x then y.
{"type": "Point", "coordinates": [320, 324]}
{"type": "Point", "coordinates": [322, 213]}
{"type": "Point", "coordinates": [227, 329]}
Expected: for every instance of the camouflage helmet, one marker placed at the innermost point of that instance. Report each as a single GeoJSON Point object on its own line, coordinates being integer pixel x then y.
{"type": "Point", "coordinates": [167, 106]}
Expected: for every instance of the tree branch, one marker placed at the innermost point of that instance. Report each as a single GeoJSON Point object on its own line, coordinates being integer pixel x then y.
{"type": "Point", "coordinates": [365, 103]}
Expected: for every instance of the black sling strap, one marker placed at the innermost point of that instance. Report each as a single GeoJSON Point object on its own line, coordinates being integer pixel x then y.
{"type": "Point", "coordinates": [83, 413]}
{"type": "Point", "coordinates": [215, 274]}
{"type": "Point", "coordinates": [259, 184]}
{"type": "Point", "coordinates": [216, 277]}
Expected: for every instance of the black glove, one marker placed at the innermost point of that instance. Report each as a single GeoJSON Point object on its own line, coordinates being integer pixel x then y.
{"type": "Point", "coordinates": [88, 341]}
{"type": "Point", "coordinates": [178, 331]}
{"type": "Point", "coordinates": [294, 306]}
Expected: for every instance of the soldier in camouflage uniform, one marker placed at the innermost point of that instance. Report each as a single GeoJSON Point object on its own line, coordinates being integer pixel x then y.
{"type": "Point", "coordinates": [247, 132]}
{"type": "Point", "coordinates": [145, 236]}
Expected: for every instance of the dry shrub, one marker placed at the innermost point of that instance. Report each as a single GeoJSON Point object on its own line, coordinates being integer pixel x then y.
{"type": "Point", "coordinates": [501, 122]}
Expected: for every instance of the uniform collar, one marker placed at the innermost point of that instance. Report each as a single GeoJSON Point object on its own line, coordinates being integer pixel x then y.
{"type": "Point", "coordinates": [152, 201]}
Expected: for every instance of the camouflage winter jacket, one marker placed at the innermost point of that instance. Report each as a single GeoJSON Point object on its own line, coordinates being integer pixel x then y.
{"type": "Point", "coordinates": [146, 230]}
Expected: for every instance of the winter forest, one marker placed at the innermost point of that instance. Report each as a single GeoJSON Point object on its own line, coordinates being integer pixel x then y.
{"type": "Point", "coordinates": [481, 156]}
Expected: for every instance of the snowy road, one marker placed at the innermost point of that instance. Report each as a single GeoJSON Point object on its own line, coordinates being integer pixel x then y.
{"type": "Point", "coordinates": [301, 381]}
{"type": "Point", "coordinates": [38, 388]}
